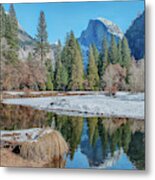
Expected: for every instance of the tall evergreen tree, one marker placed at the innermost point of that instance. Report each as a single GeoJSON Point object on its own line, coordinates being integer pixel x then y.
{"type": "Point", "coordinates": [49, 84]}
{"type": "Point", "coordinates": [65, 52]}
{"type": "Point", "coordinates": [42, 45]}
{"type": "Point", "coordinates": [50, 76]}
{"type": "Point", "coordinates": [96, 54]}
{"type": "Point", "coordinates": [105, 59]}
{"type": "Point", "coordinates": [68, 54]}
{"type": "Point", "coordinates": [126, 54]}
{"type": "Point", "coordinates": [119, 52]}
{"type": "Point", "coordinates": [77, 74]}
{"type": "Point", "coordinates": [57, 75]}
{"type": "Point", "coordinates": [61, 73]}
{"type": "Point", "coordinates": [2, 21]}
{"type": "Point", "coordinates": [93, 78]}
{"type": "Point", "coordinates": [11, 34]}
{"type": "Point", "coordinates": [113, 50]}
{"type": "Point", "coordinates": [61, 76]}
{"type": "Point", "coordinates": [58, 50]}
{"type": "Point", "coordinates": [58, 67]}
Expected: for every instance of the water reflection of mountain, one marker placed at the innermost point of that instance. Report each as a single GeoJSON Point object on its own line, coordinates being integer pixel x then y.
{"type": "Point", "coordinates": [91, 145]}
{"type": "Point", "coordinates": [111, 139]}
{"type": "Point", "coordinates": [104, 142]}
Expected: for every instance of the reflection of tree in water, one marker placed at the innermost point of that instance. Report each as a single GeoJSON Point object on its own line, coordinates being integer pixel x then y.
{"type": "Point", "coordinates": [121, 137]}
{"type": "Point", "coordinates": [14, 117]}
{"type": "Point", "coordinates": [115, 140]}
{"type": "Point", "coordinates": [126, 136]}
{"type": "Point", "coordinates": [113, 136]}
{"type": "Point", "coordinates": [71, 129]}
{"type": "Point", "coordinates": [92, 130]}
{"type": "Point", "coordinates": [136, 151]}
{"type": "Point", "coordinates": [102, 136]}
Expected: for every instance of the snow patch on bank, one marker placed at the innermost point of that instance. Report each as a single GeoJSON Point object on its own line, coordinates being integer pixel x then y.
{"type": "Point", "coordinates": [124, 104]}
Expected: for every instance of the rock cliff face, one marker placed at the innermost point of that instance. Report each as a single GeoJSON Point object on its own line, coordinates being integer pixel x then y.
{"type": "Point", "coordinates": [136, 37]}
{"type": "Point", "coordinates": [27, 45]}
{"type": "Point", "coordinates": [96, 30]}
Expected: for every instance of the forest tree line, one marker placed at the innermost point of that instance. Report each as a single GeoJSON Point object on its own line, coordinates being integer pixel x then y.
{"type": "Point", "coordinates": [112, 69]}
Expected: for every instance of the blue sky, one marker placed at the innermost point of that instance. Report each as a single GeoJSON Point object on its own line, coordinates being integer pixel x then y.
{"type": "Point", "coordinates": [64, 17]}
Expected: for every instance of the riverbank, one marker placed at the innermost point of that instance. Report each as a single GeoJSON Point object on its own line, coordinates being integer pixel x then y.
{"type": "Point", "coordinates": [10, 159]}
{"type": "Point", "coordinates": [32, 147]}
{"type": "Point", "coordinates": [123, 104]}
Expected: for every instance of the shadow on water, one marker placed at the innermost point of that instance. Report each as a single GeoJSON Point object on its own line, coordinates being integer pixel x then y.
{"type": "Point", "coordinates": [102, 143]}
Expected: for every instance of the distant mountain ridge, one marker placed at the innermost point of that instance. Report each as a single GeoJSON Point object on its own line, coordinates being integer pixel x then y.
{"type": "Point", "coordinates": [94, 33]}
{"type": "Point", "coordinates": [136, 37]}
{"type": "Point", "coordinates": [112, 28]}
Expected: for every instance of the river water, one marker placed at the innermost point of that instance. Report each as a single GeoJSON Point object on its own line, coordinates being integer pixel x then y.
{"type": "Point", "coordinates": [96, 142]}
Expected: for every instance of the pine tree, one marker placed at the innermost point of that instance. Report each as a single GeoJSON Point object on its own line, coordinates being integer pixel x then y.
{"type": "Point", "coordinates": [57, 76]}
{"type": "Point", "coordinates": [11, 34]}
{"type": "Point", "coordinates": [50, 75]}
{"type": "Point", "coordinates": [93, 78]}
{"type": "Point", "coordinates": [113, 50]}
{"type": "Point", "coordinates": [65, 52]}
{"type": "Point", "coordinates": [96, 54]}
{"type": "Point", "coordinates": [64, 78]}
{"type": "Point", "coordinates": [119, 52]}
{"type": "Point", "coordinates": [77, 74]}
{"type": "Point", "coordinates": [70, 53]}
{"type": "Point", "coordinates": [58, 67]}
{"type": "Point", "coordinates": [72, 61]}
{"type": "Point", "coordinates": [49, 84]}
{"type": "Point", "coordinates": [58, 50]}
{"type": "Point", "coordinates": [42, 45]}
{"type": "Point", "coordinates": [105, 59]}
{"type": "Point", "coordinates": [2, 21]}
{"type": "Point", "coordinates": [61, 76]}
{"type": "Point", "coordinates": [126, 57]}
{"type": "Point", "coordinates": [126, 54]}
{"type": "Point", "coordinates": [13, 28]}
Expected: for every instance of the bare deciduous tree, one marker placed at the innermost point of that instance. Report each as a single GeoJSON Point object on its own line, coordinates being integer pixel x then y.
{"type": "Point", "coordinates": [136, 78]}
{"type": "Point", "coordinates": [24, 75]}
{"type": "Point", "coordinates": [114, 78]}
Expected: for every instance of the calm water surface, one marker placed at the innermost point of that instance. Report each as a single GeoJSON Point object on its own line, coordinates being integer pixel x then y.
{"type": "Point", "coordinates": [101, 143]}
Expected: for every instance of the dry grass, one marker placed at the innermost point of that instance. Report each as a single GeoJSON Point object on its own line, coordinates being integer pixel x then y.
{"type": "Point", "coordinates": [51, 146]}
{"type": "Point", "coordinates": [48, 150]}
{"type": "Point", "coordinates": [9, 159]}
